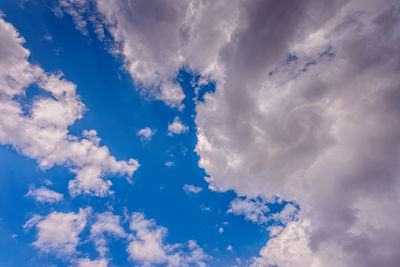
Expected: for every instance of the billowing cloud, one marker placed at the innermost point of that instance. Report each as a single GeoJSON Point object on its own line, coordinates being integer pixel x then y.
{"type": "Point", "coordinates": [43, 194]}
{"type": "Point", "coordinates": [319, 129]}
{"type": "Point", "coordinates": [40, 131]}
{"type": "Point", "coordinates": [177, 127]}
{"type": "Point", "coordinates": [58, 232]}
{"type": "Point", "coordinates": [305, 107]}
{"type": "Point", "coordinates": [145, 134]}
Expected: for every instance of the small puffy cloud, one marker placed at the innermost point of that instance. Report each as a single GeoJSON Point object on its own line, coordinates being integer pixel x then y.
{"type": "Point", "coordinates": [169, 164]}
{"type": "Point", "coordinates": [205, 208]}
{"type": "Point", "coordinates": [220, 230]}
{"type": "Point", "coordinates": [229, 248]}
{"type": "Point", "coordinates": [191, 189]}
{"type": "Point", "coordinates": [47, 37]}
{"type": "Point", "coordinates": [58, 232]}
{"type": "Point", "coordinates": [44, 195]}
{"type": "Point", "coordinates": [176, 127]}
{"type": "Point", "coordinates": [145, 134]}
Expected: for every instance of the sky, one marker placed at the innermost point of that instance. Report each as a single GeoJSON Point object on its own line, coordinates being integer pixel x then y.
{"type": "Point", "coordinates": [200, 133]}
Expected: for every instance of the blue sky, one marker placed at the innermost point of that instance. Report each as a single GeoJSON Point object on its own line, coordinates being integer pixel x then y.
{"type": "Point", "coordinates": [199, 133]}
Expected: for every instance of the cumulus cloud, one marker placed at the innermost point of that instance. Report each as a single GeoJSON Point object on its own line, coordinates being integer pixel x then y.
{"type": "Point", "coordinates": [191, 189]}
{"type": "Point", "coordinates": [305, 106]}
{"type": "Point", "coordinates": [44, 195]}
{"type": "Point", "coordinates": [145, 134]}
{"type": "Point", "coordinates": [85, 262]}
{"type": "Point", "coordinates": [176, 127]}
{"type": "Point", "coordinates": [148, 248]}
{"type": "Point", "coordinates": [58, 232]}
{"type": "Point", "coordinates": [41, 133]}
{"type": "Point", "coordinates": [106, 224]}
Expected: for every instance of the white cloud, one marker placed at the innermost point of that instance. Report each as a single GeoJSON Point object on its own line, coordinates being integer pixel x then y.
{"type": "Point", "coordinates": [148, 248]}
{"type": "Point", "coordinates": [85, 262]}
{"type": "Point", "coordinates": [145, 134]}
{"type": "Point", "coordinates": [176, 127]}
{"type": "Point", "coordinates": [42, 134]}
{"type": "Point", "coordinates": [254, 210]}
{"type": "Point", "coordinates": [220, 230]}
{"type": "Point", "coordinates": [205, 208]}
{"type": "Point", "coordinates": [169, 164]}
{"type": "Point", "coordinates": [289, 249]}
{"type": "Point", "coordinates": [105, 224]}
{"type": "Point", "coordinates": [32, 222]}
{"type": "Point", "coordinates": [191, 189]}
{"type": "Point", "coordinates": [58, 232]}
{"type": "Point", "coordinates": [43, 194]}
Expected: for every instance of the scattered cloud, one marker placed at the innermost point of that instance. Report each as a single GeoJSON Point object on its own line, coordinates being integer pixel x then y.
{"type": "Point", "coordinates": [145, 134]}
{"type": "Point", "coordinates": [43, 133]}
{"type": "Point", "coordinates": [205, 208]}
{"type": "Point", "coordinates": [106, 224]}
{"type": "Point", "coordinates": [169, 164]}
{"type": "Point", "coordinates": [176, 127]}
{"type": "Point", "coordinates": [47, 37]}
{"type": "Point", "coordinates": [191, 189]}
{"type": "Point", "coordinates": [44, 195]}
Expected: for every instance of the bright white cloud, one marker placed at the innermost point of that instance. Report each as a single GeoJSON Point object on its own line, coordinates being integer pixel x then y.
{"type": "Point", "coordinates": [145, 134]}
{"type": "Point", "coordinates": [176, 127]}
{"type": "Point", "coordinates": [42, 134]}
{"type": "Point", "coordinates": [106, 224]}
{"type": "Point", "coordinates": [148, 248]}
{"type": "Point", "coordinates": [191, 189]}
{"type": "Point", "coordinates": [58, 232]}
{"type": "Point", "coordinates": [44, 195]}
{"type": "Point", "coordinates": [85, 262]}
{"type": "Point", "coordinates": [289, 249]}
